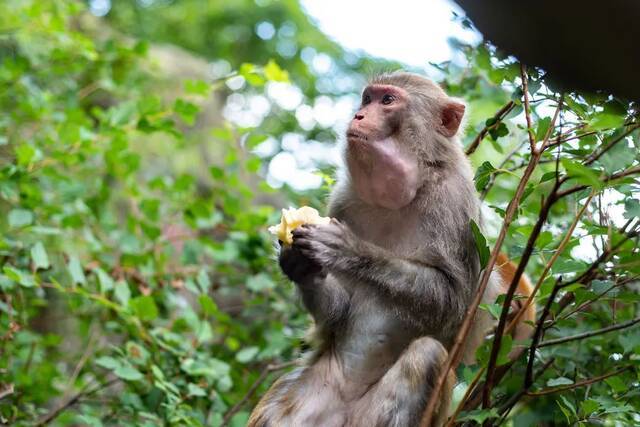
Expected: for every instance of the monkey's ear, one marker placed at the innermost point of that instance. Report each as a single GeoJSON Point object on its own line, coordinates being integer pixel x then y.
{"type": "Point", "coordinates": [451, 117]}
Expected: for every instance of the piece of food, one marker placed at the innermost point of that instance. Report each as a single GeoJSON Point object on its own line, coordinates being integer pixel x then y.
{"type": "Point", "coordinates": [292, 218]}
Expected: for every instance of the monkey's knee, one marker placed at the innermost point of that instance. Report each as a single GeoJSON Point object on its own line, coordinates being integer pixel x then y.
{"type": "Point", "coordinates": [421, 363]}
{"type": "Point", "coordinates": [402, 394]}
{"type": "Point", "coordinates": [424, 362]}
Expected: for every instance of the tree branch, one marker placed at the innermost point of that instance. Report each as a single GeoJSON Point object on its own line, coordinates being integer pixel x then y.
{"type": "Point", "coordinates": [500, 114]}
{"type": "Point", "coordinates": [263, 376]}
{"type": "Point", "coordinates": [542, 218]}
{"type": "Point", "coordinates": [72, 401]}
{"type": "Point", "coordinates": [455, 352]}
{"type": "Point", "coordinates": [578, 384]}
{"type": "Point", "coordinates": [590, 334]}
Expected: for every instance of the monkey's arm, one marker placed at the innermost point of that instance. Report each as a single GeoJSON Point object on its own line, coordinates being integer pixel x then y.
{"type": "Point", "coordinates": [325, 298]}
{"type": "Point", "coordinates": [430, 283]}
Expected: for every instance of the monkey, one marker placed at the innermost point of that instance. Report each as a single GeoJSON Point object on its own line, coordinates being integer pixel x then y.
{"type": "Point", "coordinates": [389, 279]}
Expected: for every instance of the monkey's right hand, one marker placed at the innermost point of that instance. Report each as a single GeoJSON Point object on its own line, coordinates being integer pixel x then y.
{"type": "Point", "coordinates": [298, 267]}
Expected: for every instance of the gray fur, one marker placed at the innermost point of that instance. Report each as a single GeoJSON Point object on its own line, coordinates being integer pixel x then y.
{"type": "Point", "coordinates": [390, 292]}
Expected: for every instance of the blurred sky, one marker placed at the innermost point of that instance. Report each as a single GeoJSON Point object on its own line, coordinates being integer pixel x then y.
{"type": "Point", "coordinates": [412, 31]}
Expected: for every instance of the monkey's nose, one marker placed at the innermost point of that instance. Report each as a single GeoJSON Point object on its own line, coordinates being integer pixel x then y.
{"type": "Point", "coordinates": [359, 116]}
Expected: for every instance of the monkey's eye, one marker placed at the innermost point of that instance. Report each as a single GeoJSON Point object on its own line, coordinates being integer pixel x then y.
{"type": "Point", "coordinates": [387, 99]}
{"type": "Point", "coordinates": [366, 99]}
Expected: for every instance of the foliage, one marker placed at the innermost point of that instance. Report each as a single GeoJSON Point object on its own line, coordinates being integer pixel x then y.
{"type": "Point", "coordinates": [111, 269]}
{"type": "Point", "coordinates": [137, 279]}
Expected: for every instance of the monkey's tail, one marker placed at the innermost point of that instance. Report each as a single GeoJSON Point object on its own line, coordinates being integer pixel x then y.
{"type": "Point", "coordinates": [507, 269]}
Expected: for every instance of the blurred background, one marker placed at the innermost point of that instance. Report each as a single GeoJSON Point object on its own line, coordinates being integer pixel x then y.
{"type": "Point", "coordinates": [146, 146]}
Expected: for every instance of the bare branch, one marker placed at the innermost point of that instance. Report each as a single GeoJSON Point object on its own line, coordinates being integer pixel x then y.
{"type": "Point", "coordinates": [72, 401]}
{"type": "Point", "coordinates": [590, 334]}
{"type": "Point", "coordinates": [263, 376]}
{"type": "Point", "coordinates": [578, 384]}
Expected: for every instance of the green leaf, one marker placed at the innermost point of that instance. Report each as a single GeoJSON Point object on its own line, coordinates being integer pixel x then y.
{"type": "Point", "coordinates": [543, 127]}
{"type": "Point", "coordinates": [619, 157]}
{"type": "Point", "coordinates": [20, 218]}
{"type": "Point", "coordinates": [39, 256]}
{"type": "Point", "coordinates": [479, 415]}
{"type": "Point", "coordinates": [108, 362]}
{"type": "Point", "coordinates": [186, 110]}
{"type": "Point", "coordinates": [483, 174]}
{"type": "Point", "coordinates": [128, 373]}
{"type": "Point", "coordinates": [197, 87]}
{"type": "Point", "coordinates": [631, 208]}
{"type": "Point", "coordinates": [144, 307]}
{"type": "Point", "coordinates": [208, 306]}
{"type": "Point", "coordinates": [273, 72]}
{"type": "Point", "coordinates": [194, 390]}
{"type": "Point", "coordinates": [616, 384]}
{"type": "Point", "coordinates": [589, 406]}
{"type": "Point", "coordinates": [481, 244]}
{"type": "Point", "coordinates": [25, 153]}
{"type": "Point", "coordinates": [506, 344]}
{"type": "Point", "coordinates": [606, 120]}
{"type": "Point", "coordinates": [567, 408]}
{"type": "Point", "coordinates": [203, 281]}
{"type": "Point", "coordinates": [247, 354]}
{"type": "Point", "coordinates": [581, 173]}
{"type": "Point", "coordinates": [260, 282]}
{"type": "Point", "coordinates": [122, 292]}
{"type": "Point", "coordinates": [555, 382]}
{"type": "Point", "coordinates": [76, 271]}
{"type": "Point", "coordinates": [21, 277]}
{"type": "Point", "coordinates": [106, 282]}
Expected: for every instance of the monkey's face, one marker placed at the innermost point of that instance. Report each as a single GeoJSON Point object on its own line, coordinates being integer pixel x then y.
{"type": "Point", "coordinates": [380, 114]}
{"type": "Point", "coordinates": [383, 169]}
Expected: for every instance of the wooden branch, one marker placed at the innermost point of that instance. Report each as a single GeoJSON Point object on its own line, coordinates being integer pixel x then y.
{"type": "Point", "coordinates": [72, 401]}
{"type": "Point", "coordinates": [556, 254]}
{"type": "Point", "coordinates": [542, 218]}
{"type": "Point", "coordinates": [578, 384]}
{"type": "Point", "coordinates": [263, 376]}
{"type": "Point", "coordinates": [455, 353]}
{"type": "Point", "coordinates": [527, 111]}
{"type": "Point", "coordinates": [500, 114]}
{"type": "Point", "coordinates": [595, 156]}
{"type": "Point", "coordinates": [624, 173]}
{"type": "Point", "coordinates": [590, 334]}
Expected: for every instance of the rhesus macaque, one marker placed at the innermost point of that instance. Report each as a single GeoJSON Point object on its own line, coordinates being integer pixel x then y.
{"type": "Point", "coordinates": [388, 281]}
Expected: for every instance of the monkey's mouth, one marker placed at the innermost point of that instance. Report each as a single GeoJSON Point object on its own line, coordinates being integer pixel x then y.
{"type": "Point", "coordinates": [356, 136]}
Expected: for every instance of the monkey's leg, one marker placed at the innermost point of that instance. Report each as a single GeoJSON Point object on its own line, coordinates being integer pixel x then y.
{"type": "Point", "coordinates": [400, 397]}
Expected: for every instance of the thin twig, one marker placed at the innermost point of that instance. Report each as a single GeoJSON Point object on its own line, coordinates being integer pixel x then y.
{"type": "Point", "coordinates": [263, 376]}
{"type": "Point", "coordinates": [500, 114]}
{"type": "Point", "coordinates": [590, 334]}
{"type": "Point", "coordinates": [595, 156]}
{"type": "Point", "coordinates": [556, 254]}
{"type": "Point", "coordinates": [542, 217]}
{"type": "Point", "coordinates": [456, 350]}
{"type": "Point", "coordinates": [509, 404]}
{"type": "Point", "coordinates": [72, 401]}
{"type": "Point", "coordinates": [578, 384]}
{"type": "Point", "coordinates": [525, 94]}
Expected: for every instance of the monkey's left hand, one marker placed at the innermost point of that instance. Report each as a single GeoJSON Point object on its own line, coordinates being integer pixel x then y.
{"type": "Point", "coordinates": [326, 244]}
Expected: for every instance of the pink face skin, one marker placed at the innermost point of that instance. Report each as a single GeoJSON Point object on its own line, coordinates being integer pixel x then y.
{"type": "Point", "coordinates": [383, 172]}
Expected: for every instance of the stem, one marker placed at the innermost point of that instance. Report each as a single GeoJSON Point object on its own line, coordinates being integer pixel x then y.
{"type": "Point", "coordinates": [544, 213]}
{"type": "Point", "coordinates": [263, 376]}
{"type": "Point", "coordinates": [590, 334]}
{"type": "Point", "coordinates": [506, 109]}
{"type": "Point", "coordinates": [454, 354]}
{"type": "Point", "coordinates": [578, 384]}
